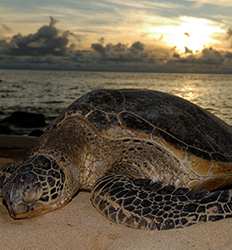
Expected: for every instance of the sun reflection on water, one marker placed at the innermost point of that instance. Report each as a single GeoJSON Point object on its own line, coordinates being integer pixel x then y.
{"type": "Point", "coordinates": [50, 92]}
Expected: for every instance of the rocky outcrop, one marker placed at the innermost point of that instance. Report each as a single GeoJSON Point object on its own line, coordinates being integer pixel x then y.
{"type": "Point", "coordinates": [23, 119]}
{"type": "Point", "coordinates": [4, 129]}
{"type": "Point", "coordinates": [21, 122]}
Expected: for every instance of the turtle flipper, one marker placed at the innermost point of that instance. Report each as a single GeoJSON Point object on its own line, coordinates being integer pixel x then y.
{"type": "Point", "coordinates": [142, 203]}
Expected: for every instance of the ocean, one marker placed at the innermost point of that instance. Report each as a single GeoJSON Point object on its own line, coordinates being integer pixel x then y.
{"type": "Point", "coordinates": [49, 92]}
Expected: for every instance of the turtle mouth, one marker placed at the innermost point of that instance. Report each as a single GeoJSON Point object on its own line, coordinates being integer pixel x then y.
{"type": "Point", "coordinates": [23, 210]}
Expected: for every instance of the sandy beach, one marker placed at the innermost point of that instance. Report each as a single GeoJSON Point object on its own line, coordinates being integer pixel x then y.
{"type": "Point", "coordinates": [132, 99]}
{"type": "Point", "coordinates": [79, 226]}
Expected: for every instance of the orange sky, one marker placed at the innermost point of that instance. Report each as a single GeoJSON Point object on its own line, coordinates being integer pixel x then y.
{"type": "Point", "coordinates": [191, 24]}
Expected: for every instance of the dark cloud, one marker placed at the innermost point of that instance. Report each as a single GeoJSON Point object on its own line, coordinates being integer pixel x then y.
{"type": "Point", "coordinates": [6, 28]}
{"type": "Point", "coordinates": [208, 56]}
{"type": "Point", "coordinates": [3, 46]}
{"type": "Point", "coordinates": [99, 48]}
{"type": "Point", "coordinates": [187, 50]}
{"type": "Point", "coordinates": [121, 52]}
{"type": "Point", "coordinates": [51, 48]}
{"type": "Point", "coordinates": [229, 36]}
{"type": "Point", "coordinates": [48, 39]}
{"type": "Point", "coordinates": [212, 56]}
{"type": "Point", "coordinates": [229, 33]}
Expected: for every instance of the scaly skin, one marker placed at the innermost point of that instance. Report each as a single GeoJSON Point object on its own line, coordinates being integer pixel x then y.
{"type": "Point", "coordinates": [144, 204]}
{"type": "Point", "coordinates": [133, 181]}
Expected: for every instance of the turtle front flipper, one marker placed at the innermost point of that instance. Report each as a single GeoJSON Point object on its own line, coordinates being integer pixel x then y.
{"type": "Point", "coordinates": [142, 203]}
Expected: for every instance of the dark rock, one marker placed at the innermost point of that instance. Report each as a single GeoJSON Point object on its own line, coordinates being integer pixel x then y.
{"type": "Point", "coordinates": [25, 120]}
{"type": "Point", "coordinates": [4, 129]}
{"type": "Point", "coordinates": [36, 132]}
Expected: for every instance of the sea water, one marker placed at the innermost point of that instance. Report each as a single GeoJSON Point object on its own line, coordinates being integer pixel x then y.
{"type": "Point", "coordinates": [49, 92]}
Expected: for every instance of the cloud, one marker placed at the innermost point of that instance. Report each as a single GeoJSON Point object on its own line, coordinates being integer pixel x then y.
{"type": "Point", "coordinates": [51, 48]}
{"type": "Point", "coordinates": [5, 31]}
{"type": "Point", "coordinates": [229, 37]}
{"type": "Point", "coordinates": [121, 52]}
{"type": "Point", "coordinates": [208, 56]}
{"type": "Point", "coordinates": [211, 56]}
{"type": "Point", "coordinates": [3, 47]}
{"type": "Point", "coordinates": [47, 40]}
{"type": "Point", "coordinates": [113, 19]}
{"type": "Point", "coordinates": [218, 2]}
{"type": "Point", "coordinates": [6, 28]}
{"type": "Point", "coordinates": [144, 4]}
{"type": "Point", "coordinates": [164, 56]}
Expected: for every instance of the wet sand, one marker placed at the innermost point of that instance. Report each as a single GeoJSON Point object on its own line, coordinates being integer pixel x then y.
{"type": "Point", "coordinates": [79, 226]}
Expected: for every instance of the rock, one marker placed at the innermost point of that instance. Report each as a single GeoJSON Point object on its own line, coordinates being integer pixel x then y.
{"type": "Point", "coordinates": [5, 130]}
{"type": "Point", "coordinates": [36, 132]}
{"type": "Point", "coordinates": [25, 120]}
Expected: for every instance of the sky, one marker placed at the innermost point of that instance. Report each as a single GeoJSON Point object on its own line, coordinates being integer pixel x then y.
{"type": "Point", "coordinates": [175, 30]}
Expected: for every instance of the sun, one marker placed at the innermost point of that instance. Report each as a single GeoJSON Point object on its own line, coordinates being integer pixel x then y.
{"type": "Point", "coordinates": [189, 34]}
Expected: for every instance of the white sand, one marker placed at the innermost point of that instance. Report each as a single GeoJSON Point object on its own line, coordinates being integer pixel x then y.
{"type": "Point", "coordinates": [80, 226]}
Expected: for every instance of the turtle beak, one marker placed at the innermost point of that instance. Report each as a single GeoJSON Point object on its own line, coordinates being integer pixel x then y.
{"type": "Point", "coordinates": [23, 211]}
{"type": "Point", "coordinates": [18, 211]}
{"type": "Point", "coordinates": [22, 201]}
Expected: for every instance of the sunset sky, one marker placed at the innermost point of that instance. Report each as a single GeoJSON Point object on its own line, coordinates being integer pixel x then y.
{"type": "Point", "coordinates": [188, 26]}
{"type": "Point", "coordinates": [181, 23]}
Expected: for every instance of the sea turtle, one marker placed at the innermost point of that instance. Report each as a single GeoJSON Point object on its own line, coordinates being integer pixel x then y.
{"type": "Point", "coordinates": [151, 160]}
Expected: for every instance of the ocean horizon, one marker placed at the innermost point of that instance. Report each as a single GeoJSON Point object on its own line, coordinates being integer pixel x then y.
{"type": "Point", "coordinates": [50, 91]}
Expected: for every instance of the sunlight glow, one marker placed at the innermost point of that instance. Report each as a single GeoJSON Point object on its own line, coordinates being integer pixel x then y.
{"type": "Point", "coordinates": [190, 34]}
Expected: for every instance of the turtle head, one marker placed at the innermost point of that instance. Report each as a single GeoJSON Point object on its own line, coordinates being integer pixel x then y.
{"type": "Point", "coordinates": [36, 187]}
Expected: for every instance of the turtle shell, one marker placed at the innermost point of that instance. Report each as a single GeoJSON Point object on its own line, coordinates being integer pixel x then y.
{"type": "Point", "coordinates": [158, 114]}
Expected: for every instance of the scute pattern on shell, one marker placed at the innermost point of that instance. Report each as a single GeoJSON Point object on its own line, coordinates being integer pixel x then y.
{"type": "Point", "coordinates": [170, 117]}
{"type": "Point", "coordinates": [143, 179]}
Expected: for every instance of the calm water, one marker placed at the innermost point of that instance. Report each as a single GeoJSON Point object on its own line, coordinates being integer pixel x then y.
{"type": "Point", "coordinates": [51, 91]}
